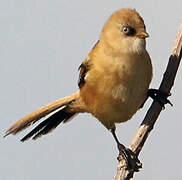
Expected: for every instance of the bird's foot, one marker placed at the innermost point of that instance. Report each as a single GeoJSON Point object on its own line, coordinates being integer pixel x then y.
{"type": "Point", "coordinates": [132, 161]}
{"type": "Point", "coordinates": [159, 96]}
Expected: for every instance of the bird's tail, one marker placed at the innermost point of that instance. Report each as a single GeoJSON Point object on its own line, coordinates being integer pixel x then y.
{"type": "Point", "coordinates": [59, 111]}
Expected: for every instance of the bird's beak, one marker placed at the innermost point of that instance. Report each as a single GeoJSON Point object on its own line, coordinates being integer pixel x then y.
{"type": "Point", "coordinates": [142, 35]}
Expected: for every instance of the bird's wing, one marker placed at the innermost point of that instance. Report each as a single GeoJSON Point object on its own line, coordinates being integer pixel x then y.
{"type": "Point", "coordinates": [84, 68]}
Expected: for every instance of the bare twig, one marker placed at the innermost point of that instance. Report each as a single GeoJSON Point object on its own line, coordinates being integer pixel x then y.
{"type": "Point", "coordinates": [155, 109]}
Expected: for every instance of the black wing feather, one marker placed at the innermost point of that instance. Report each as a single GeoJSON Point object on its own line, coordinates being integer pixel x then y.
{"type": "Point", "coordinates": [83, 70]}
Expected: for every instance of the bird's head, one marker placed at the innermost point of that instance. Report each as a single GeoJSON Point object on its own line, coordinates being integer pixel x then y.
{"type": "Point", "coordinates": [125, 32]}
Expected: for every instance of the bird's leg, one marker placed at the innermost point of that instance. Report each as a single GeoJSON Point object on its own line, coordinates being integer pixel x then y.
{"type": "Point", "coordinates": [132, 161]}
{"type": "Point", "coordinates": [159, 96]}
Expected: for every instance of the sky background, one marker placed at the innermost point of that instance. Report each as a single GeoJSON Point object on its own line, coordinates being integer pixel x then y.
{"type": "Point", "coordinates": [42, 43]}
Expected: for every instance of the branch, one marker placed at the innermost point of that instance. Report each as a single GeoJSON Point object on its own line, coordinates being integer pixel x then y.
{"type": "Point", "coordinates": [155, 109]}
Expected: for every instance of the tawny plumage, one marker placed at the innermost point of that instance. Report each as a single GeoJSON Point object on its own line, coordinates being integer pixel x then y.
{"type": "Point", "coordinates": [114, 79]}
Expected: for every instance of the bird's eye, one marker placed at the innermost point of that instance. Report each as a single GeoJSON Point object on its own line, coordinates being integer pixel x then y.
{"type": "Point", "coordinates": [129, 31]}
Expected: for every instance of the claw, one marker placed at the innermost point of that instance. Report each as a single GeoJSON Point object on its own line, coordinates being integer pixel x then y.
{"type": "Point", "coordinates": [132, 161]}
{"type": "Point", "coordinates": [160, 97]}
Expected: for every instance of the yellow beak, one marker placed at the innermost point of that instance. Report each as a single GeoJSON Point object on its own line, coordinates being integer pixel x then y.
{"type": "Point", "coordinates": [142, 35]}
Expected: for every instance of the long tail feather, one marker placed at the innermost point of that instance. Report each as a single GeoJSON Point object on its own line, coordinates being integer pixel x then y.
{"type": "Point", "coordinates": [49, 124]}
{"type": "Point", "coordinates": [38, 114]}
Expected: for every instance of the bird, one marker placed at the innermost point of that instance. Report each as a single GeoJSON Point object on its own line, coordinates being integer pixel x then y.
{"type": "Point", "coordinates": [113, 80]}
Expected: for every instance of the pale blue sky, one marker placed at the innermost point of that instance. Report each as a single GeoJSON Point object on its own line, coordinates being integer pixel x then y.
{"type": "Point", "coordinates": [42, 44]}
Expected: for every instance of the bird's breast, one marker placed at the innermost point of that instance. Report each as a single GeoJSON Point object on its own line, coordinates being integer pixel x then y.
{"type": "Point", "coordinates": [114, 91]}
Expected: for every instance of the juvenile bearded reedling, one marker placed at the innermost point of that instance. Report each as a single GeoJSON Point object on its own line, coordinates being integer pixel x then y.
{"type": "Point", "coordinates": [113, 82]}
